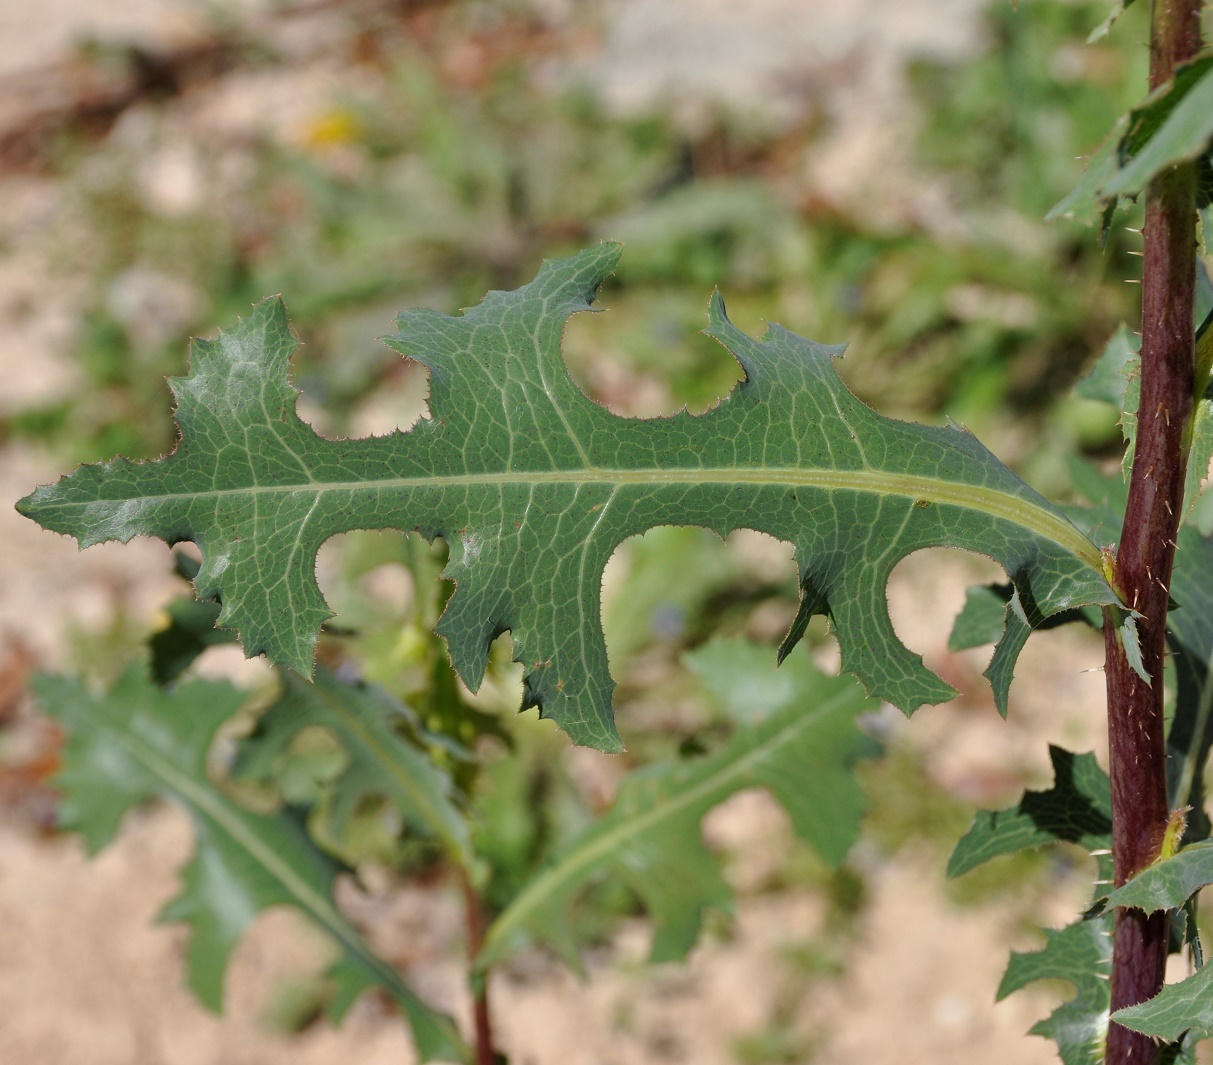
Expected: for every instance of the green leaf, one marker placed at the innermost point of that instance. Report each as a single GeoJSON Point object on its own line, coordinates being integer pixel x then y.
{"type": "Point", "coordinates": [1080, 953]}
{"type": "Point", "coordinates": [138, 742]}
{"type": "Point", "coordinates": [982, 619]}
{"type": "Point", "coordinates": [1102, 30]}
{"type": "Point", "coordinates": [534, 485]}
{"type": "Point", "coordinates": [993, 613]}
{"type": "Point", "coordinates": [1169, 883]}
{"type": "Point", "coordinates": [1108, 380]}
{"type": "Point", "coordinates": [379, 761]}
{"type": "Point", "coordinates": [802, 751]}
{"type": "Point", "coordinates": [1203, 300]}
{"type": "Point", "coordinates": [190, 631]}
{"type": "Point", "coordinates": [738, 676]}
{"type": "Point", "coordinates": [1178, 1008]}
{"type": "Point", "coordinates": [1086, 202]}
{"type": "Point", "coordinates": [1077, 809]}
{"type": "Point", "coordinates": [1116, 378]}
{"type": "Point", "coordinates": [1017, 627]}
{"type": "Point", "coordinates": [1174, 125]}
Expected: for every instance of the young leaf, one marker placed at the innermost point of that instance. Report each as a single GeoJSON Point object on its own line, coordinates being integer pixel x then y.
{"type": "Point", "coordinates": [533, 485]}
{"type": "Point", "coordinates": [1185, 1007]}
{"type": "Point", "coordinates": [1080, 953]}
{"type": "Point", "coordinates": [138, 742]}
{"type": "Point", "coordinates": [1077, 809]}
{"type": "Point", "coordinates": [1169, 883]}
{"type": "Point", "coordinates": [380, 761]}
{"type": "Point", "coordinates": [802, 752]}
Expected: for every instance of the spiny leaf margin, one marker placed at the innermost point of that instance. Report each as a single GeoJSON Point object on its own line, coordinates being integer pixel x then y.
{"type": "Point", "coordinates": [1180, 1008]}
{"type": "Point", "coordinates": [1080, 953]}
{"type": "Point", "coordinates": [533, 485]}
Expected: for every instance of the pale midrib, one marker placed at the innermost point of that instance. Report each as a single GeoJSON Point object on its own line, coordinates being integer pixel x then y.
{"type": "Point", "coordinates": [410, 793]}
{"type": "Point", "coordinates": [990, 501]}
{"type": "Point", "coordinates": [610, 842]}
{"type": "Point", "coordinates": [308, 900]}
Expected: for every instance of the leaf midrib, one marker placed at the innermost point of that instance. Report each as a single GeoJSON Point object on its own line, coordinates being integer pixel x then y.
{"type": "Point", "coordinates": [552, 879]}
{"type": "Point", "coordinates": [320, 908]}
{"type": "Point", "coordinates": [999, 504]}
{"type": "Point", "coordinates": [409, 792]}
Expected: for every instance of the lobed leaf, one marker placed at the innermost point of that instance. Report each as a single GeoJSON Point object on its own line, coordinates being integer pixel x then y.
{"type": "Point", "coordinates": [1086, 201]}
{"type": "Point", "coordinates": [1077, 809]}
{"type": "Point", "coordinates": [379, 761]}
{"type": "Point", "coordinates": [1174, 125]}
{"type": "Point", "coordinates": [802, 751]}
{"type": "Point", "coordinates": [137, 742]}
{"type": "Point", "coordinates": [1170, 882]}
{"type": "Point", "coordinates": [1185, 1007]}
{"type": "Point", "coordinates": [1081, 954]}
{"type": "Point", "coordinates": [533, 485]}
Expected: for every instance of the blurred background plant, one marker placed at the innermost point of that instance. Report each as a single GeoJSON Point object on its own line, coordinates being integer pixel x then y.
{"type": "Point", "coordinates": [365, 157]}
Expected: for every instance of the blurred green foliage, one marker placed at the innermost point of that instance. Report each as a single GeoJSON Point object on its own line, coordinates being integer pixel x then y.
{"type": "Point", "coordinates": [430, 184]}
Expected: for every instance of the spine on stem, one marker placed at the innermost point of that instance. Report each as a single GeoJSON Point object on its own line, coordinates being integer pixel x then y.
{"type": "Point", "coordinates": [1142, 571]}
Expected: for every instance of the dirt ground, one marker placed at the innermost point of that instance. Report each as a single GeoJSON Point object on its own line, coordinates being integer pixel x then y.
{"type": "Point", "coordinates": [87, 977]}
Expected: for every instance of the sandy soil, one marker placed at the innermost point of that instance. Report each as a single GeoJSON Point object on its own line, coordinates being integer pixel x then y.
{"type": "Point", "coordinates": [85, 976]}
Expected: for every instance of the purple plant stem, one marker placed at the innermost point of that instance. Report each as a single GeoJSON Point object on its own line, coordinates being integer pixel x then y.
{"type": "Point", "coordinates": [1136, 735]}
{"type": "Point", "coordinates": [476, 924]}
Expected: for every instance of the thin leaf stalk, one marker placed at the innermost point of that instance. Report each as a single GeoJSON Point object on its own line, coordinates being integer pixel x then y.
{"type": "Point", "coordinates": [1144, 558]}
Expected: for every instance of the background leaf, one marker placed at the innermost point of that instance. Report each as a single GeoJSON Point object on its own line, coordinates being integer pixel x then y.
{"type": "Point", "coordinates": [380, 762]}
{"type": "Point", "coordinates": [1077, 809]}
{"type": "Point", "coordinates": [138, 742]}
{"type": "Point", "coordinates": [802, 750]}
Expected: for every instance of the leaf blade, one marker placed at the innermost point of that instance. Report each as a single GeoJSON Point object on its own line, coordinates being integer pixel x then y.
{"type": "Point", "coordinates": [533, 485]}
{"type": "Point", "coordinates": [1186, 1006]}
{"type": "Point", "coordinates": [381, 762]}
{"type": "Point", "coordinates": [137, 742]}
{"type": "Point", "coordinates": [801, 752]}
{"type": "Point", "coordinates": [1169, 883]}
{"type": "Point", "coordinates": [1080, 953]}
{"type": "Point", "coordinates": [1077, 809]}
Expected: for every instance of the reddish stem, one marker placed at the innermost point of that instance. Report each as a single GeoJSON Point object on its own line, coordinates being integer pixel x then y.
{"type": "Point", "coordinates": [1136, 733]}
{"type": "Point", "coordinates": [476, 926]}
